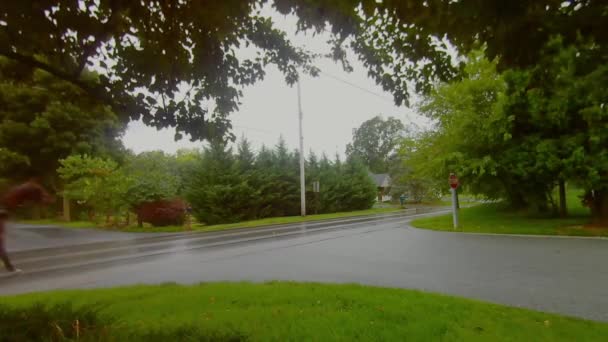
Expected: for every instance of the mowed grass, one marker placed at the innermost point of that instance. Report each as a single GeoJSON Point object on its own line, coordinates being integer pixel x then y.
{"type": "Point", "coordinates": [295, 219]}
{"type": "Point", "coordinates": [282, 311]}
{"type": "Point", "coordinates": [201, 227]}
{"type": "Point", "coordinates": [51, 222]}
{"type": "Point", "coordinates": [494, 218]}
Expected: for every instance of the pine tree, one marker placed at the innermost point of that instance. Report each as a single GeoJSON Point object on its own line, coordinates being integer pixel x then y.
{"type": "Point", "coordinates": [245, 156]}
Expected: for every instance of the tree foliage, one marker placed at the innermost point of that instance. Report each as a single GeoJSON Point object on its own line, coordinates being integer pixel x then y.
{"type": "Point", "coordinates": [559, 112]}
{"type": "Point", "coordinates": [230, 187]}
{"type": "Point", "coordinates": [411, 176]}
{"type": "Point", "coordinates": [108, 188]}
{"type": "Point", "coordinates": [43, 119]}
{"type": "Point", "coordinates": [473, 137]}
{"type": "Point", "coordinates": [375, 141]}
{"type": "Point", "coordinates": [176, 63]}
{"type": "Point", "coordinates": [170, 63]}
{"type": "Point", "coordinates": [518, 134]}
{"type": "Point", "coordinates": [470, 131]}
{"type": "Point", "coordinates": [96, 182]}
{"type": "Point", "coordinates": [153, 176]}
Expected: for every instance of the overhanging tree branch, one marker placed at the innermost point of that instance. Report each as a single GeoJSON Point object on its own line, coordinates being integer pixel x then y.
{"type": "Point", "coordinates": [99, 38]}
{"type": "Point", "coordinates": [91, 90]}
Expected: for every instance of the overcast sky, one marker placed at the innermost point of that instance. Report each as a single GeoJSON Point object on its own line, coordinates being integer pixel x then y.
{"type": "Point", "coordinates": [332, 108]}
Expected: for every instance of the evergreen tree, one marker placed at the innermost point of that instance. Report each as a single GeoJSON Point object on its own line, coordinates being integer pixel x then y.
{"type": "Point", "coordinates": [218, 192]}
{"type": "Point", "coordinates": [229, 188]}
{"type": "Point", "coordinates": [358, 189]}
{"type": "Point", "coordinates": [245, 156]}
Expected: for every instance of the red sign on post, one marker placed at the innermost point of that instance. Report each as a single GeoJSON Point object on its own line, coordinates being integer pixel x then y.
{"type": "Point", "coordinates": [453, 181]}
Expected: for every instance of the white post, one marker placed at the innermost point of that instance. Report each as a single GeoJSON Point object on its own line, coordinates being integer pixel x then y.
{"type": "Point", "coordinates": [302, 179]}
{"type": "Point", "coordinates": [455, 207]}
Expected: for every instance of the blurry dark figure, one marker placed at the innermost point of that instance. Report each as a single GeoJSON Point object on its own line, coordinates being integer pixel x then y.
{"type": "Point", "coordinates": [29, 192]}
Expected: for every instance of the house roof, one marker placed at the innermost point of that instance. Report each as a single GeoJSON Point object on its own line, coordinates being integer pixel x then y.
{"type": "Point", "coordinates": [382, 180]}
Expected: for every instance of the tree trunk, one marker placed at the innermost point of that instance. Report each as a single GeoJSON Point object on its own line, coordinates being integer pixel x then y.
{"type": "Point", "coordinates": [598, 203]}
{"type": "Point", "coordinates": [66, 209]}
{"type": "Point", "coordinates": [36, 212]}
{"type": "Point", "coordinates": [516, 200]}
{"type": "Point", "coordinates": [563, 206]}
{"type": "Point", "coordinates": [128, 221]}
{"type": "Point", "coordinates": [140, 223]}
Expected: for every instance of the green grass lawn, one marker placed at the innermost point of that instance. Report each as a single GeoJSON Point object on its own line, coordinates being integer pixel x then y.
{"type": "Point", "coordinates": [295, 219]}
{"type": "Point", "coordinates": [281, 311]}
{"type": "Point", "coordinates": [71, 224]}
{"type": "Point", "coordinates": [200, 227]}
{"type": "Point", "coordinates": [494, 218]}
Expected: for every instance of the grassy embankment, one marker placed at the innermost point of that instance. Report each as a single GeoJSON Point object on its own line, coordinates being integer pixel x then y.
{"type": "Point", "coordinates": [495, 218]}
{"type": "Point", "coordinates": [202, 227]}
{"type": "Point", "coordinates": [277, 311]}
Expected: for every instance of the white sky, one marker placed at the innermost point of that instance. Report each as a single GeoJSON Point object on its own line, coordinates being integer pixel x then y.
{"type": "Point", "coordinates": [269, 109]}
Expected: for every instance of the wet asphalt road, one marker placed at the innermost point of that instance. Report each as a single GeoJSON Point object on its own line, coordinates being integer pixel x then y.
{"type": "Point", "coordinates": [562, 275]}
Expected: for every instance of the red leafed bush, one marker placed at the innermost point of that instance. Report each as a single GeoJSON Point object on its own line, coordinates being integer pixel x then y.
{"type": "Point", "coordinates": [162, 212]}
{"type": "Point", "coordinates": [26, 192]}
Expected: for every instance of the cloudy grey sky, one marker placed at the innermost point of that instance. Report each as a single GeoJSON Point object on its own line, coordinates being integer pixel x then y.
{"type": "Point", "coordinates": [332, 108]}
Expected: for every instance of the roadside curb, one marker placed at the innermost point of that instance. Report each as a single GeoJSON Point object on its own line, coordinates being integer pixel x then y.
{"type": "Point", "coordinates": [536, 236]}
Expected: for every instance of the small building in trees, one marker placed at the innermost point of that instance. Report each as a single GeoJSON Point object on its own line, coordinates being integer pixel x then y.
{"type": "Point", "coordinates": [383, 184]}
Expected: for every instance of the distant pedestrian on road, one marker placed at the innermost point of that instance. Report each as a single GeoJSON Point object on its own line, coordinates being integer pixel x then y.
{"type": "Point", "coordinates": [29, 192]}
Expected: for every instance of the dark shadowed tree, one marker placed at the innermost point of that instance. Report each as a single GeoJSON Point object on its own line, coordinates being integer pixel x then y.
{"type": "Point", "coordinates": [43, 119]}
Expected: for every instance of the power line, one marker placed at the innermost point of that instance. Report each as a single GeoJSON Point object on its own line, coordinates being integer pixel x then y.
{"type": "Point", "coordinates": [361, 88]}
{"type": "Point", "coordinates": [407, 115]}
{"type": "Point", "coordinates": [358, 87]}
{"type": "Point", "coordinates": [260, 130]}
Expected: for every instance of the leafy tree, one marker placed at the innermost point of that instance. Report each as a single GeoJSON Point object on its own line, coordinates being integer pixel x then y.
{"type": "Point", "coordinates": [174, 47]}
{"type": "Point", "coordinates": [469, 134]}
{"type": "Point", "coordinates": [375, 141]}
{"type": "Point", "coordinates": [181, 53]}
{"type": "Point", "coordinates": [11, 162]}
{"type": "Point", "coordinates": [408, 175]}
{"type": "Point", "coordinates": [559, 112]}
{"type": "Point", "coordinates": [108, 188]}
{"type": "Point", "coordinates": [474, 137]}
{"type": "Point", "coordinates": [43, 120]}
{"type": "Point", "coordinates": [154, 176]}
{"type": "Point", "coordinates": [406, 41]}
{"type": "Point", "coordinates": [519, 134]}
{"type": "Point", "coordinates": [96, 182]}
{"type": "Point", "coordinates": [186, 162]}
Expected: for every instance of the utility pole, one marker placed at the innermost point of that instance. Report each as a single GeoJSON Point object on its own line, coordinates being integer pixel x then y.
{"type": "Point", "coordinates": [302, 179]}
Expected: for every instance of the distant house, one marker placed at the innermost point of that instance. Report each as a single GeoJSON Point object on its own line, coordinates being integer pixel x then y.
{"type": "Point", "coordinates": [383, 184]}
